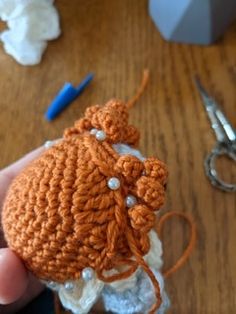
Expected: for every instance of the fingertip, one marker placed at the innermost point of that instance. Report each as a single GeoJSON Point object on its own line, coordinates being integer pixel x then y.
{"type": "Point", "coordinates": [13, 277]}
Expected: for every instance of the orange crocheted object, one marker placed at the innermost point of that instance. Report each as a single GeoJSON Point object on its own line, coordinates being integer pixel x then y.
{"type": "Point", "coordinates": [60, 215]}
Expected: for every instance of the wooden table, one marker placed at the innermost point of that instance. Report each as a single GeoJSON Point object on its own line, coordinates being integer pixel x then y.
{"type": "Point", "coordinates": [116, 40]}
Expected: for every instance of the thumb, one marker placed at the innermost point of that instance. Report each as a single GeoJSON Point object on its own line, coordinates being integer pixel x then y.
{"type": "Point", "coordinates": [13, 277]}
{"type": "Point", "coordinates": [17, 286]}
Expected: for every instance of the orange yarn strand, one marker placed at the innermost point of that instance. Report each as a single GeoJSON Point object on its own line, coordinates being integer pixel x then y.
{"type": "Point", "coordinates": [138, 255]}
{"type": "Point", "coordinates": [119, 276]}
{"type": "Point", "coordinates": [190, 246]}
{"type": "Point", "coordinates": [141, 89]}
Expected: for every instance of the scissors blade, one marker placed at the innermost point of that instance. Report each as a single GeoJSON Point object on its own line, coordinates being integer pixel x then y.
{"type": "Point", "coordinates": [229, 130]}
{"type": "Point", "coordinates": [209, 103]}
{"type": "Point", "coordinates": [220, 124]}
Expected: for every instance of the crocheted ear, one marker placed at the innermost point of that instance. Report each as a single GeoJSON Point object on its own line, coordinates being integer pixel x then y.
{"type": "Point", "coordinates": [83, 124]}
{"type": "Point", "coordinates": [142, 218]}
{"type": "Point", "coordinates": [156, 169]}
{"type": "Point", "coordinates": [123, 132]}
{"type": "Point", "coordinates": [131, 136]}
{"type": "Point", "coordinates": [112, 119]}
{"type": "Point", "coordinates": [130, 167]}
{"type": "Point", "coordinates": [151, 191]}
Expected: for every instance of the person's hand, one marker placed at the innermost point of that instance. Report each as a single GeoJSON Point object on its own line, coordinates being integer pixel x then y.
{"type": "Point", "coordinates": [17, 285]}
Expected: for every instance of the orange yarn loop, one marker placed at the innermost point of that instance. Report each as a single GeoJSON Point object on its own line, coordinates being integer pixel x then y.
{"type": "Point", "coordinates": [192, 241]}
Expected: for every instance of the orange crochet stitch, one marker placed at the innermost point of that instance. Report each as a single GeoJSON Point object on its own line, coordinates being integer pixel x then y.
{"type": "Point", "coordinates": [66, 211]}
{"type": "Point", "coordinates": [60, 216]}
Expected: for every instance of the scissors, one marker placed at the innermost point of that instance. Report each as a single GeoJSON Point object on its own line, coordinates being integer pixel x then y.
{"type": "Point", "coordinates": [225, 136]}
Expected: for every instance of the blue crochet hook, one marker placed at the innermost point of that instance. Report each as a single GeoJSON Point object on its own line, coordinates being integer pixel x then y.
{"type": "Point", "coordinates": [66, 95]}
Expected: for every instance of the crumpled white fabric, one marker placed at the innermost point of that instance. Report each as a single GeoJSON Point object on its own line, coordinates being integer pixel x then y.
{"type": "Point", "coordinates": [31, 23]}
{"type": "Point", "coordinates": [83, 296]}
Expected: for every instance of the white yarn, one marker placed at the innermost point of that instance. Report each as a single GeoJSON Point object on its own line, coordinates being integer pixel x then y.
{"type": "Point", "coordinates": [137, 300]}
{"type": "Point", "coordinates": [81, 298]}
{"type": "Point", "coordinates": [154, 256]}
{"type": "Point", "coordinates": [124, 284]}
{"type": "Point", "coordinates": [31, 23]}
{"type": "Point", "coordinates": [124, 149]}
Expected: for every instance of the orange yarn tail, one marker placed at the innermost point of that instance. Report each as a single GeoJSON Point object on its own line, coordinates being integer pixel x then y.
{"type": "Point", "coordinates": [140, 90]}
{"type": "Point", "coordinates": [190, 246]}
{"type": "Point", "coordinates": [141, 262]}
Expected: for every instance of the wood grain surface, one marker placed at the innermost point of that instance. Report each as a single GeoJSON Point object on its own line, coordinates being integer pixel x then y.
{"type": "Point", "coordinates": [116, 40]}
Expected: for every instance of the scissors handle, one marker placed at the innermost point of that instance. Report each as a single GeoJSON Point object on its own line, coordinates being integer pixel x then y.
{"type": "Point", "coordinates": [219, 150]}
